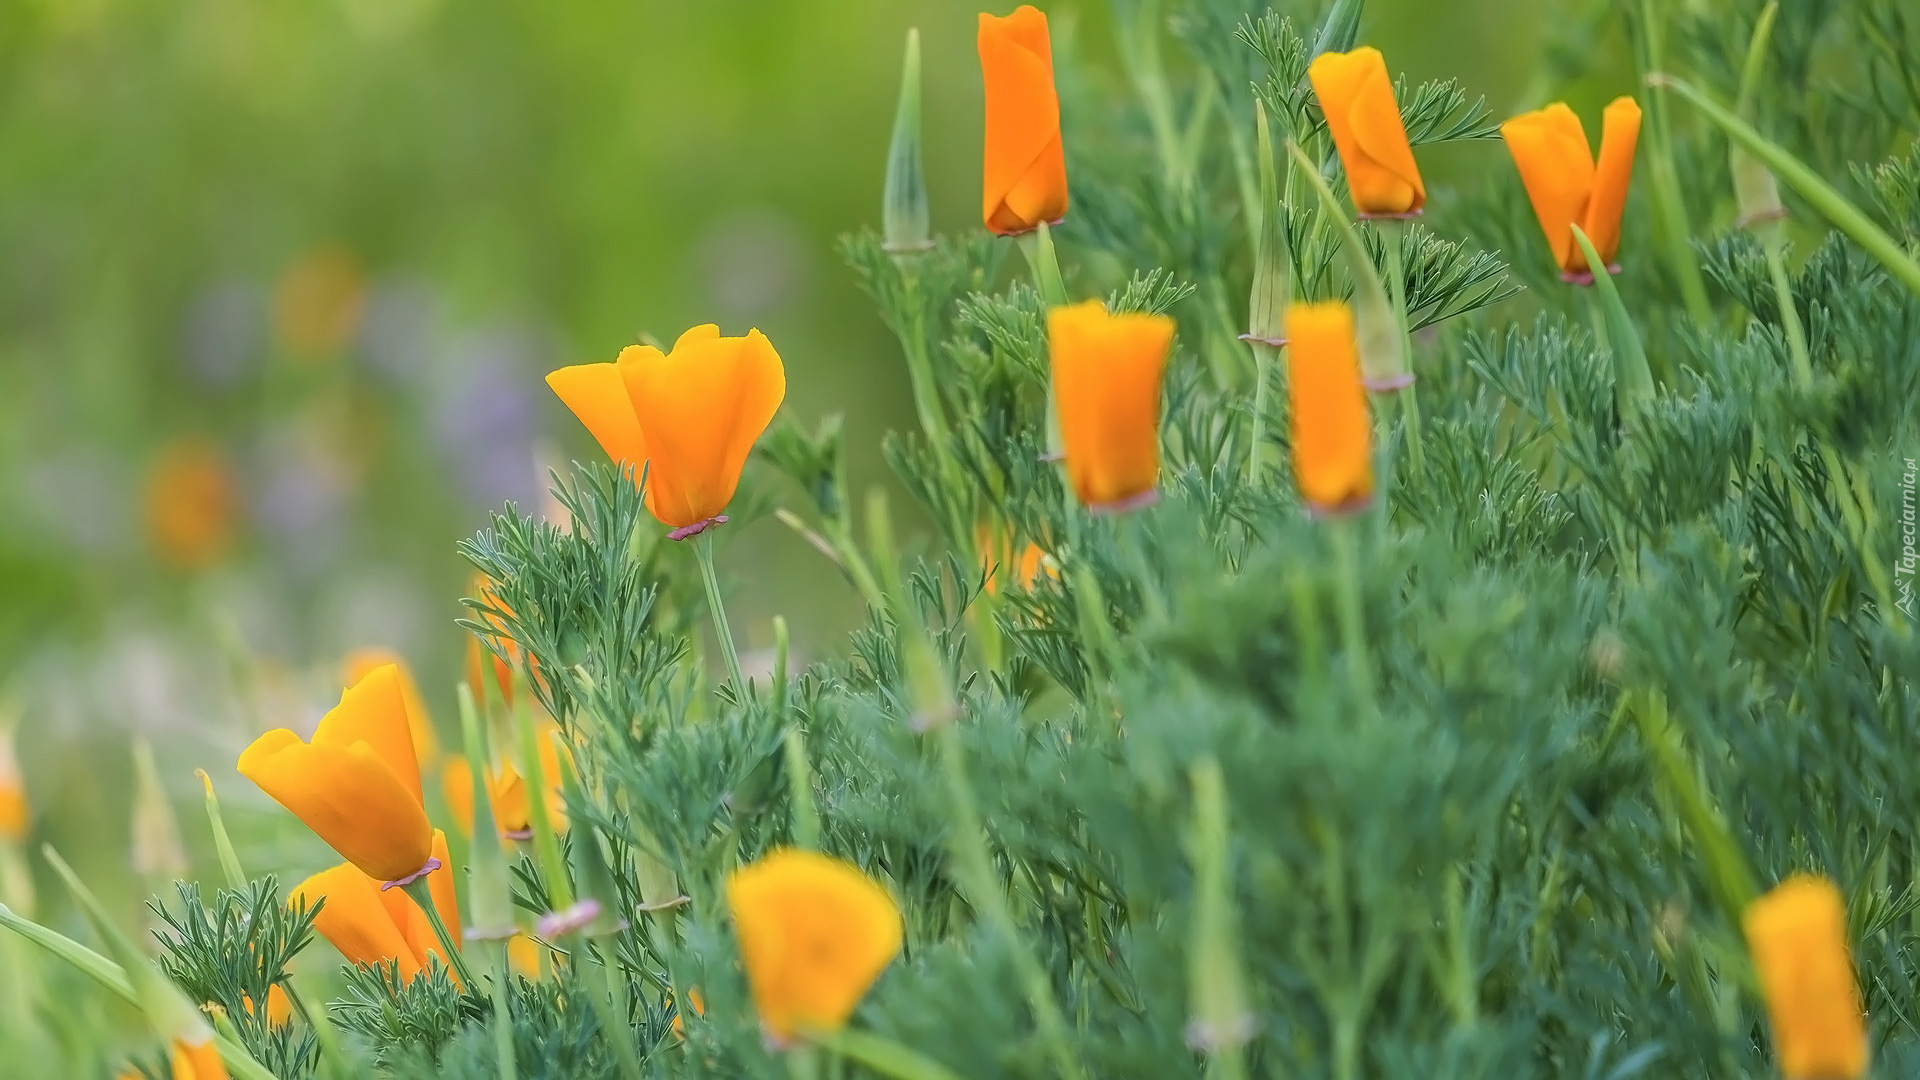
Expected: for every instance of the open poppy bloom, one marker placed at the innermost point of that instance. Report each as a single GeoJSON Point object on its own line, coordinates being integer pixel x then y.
{"type": "Point", "coordinates": [1567, 186]}
{"type": "Point", "coordinates": [357, 784]}
{"type": "Point", "coordinates": [1798, 936]}
{"type": "Point", "coordinates": [1331, 436]}
{"type": "Point", "coordinates": [689, 416]}
{"type": "Point", "coordinates": [814, 934]}
{"type": "Point", "coordinates": [507, 790]}
{"type": "Point", "coordinates": [1026, 167]}
{"type": "Point", "coordinates": [372, 925]}
{"type": "Point", "coordinates": [1356, 95]}
{"type": "Point", "coordinates": [1106, 388]}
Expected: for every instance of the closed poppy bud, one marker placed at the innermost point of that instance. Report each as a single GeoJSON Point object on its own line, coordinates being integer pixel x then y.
{"type": "Point", "coordinates": [1357, 97]}
{"type": "Point", "coordinates": [1106, 387]}
{"type": "Point", "coordinates": [1331, 454]}
{"type": "Point", "coordinates": [689, 416]}
{"type": "Point", "coordinates": [1567, 186]}
{"type": "Point", "coordinates": [814, 934]}
{"type": "Point", "coordinates": [1026, 168]}
{"type": "Point", "coordinates": [1798, 936]}
{"type": "Point", "coordinates": [357, 784]}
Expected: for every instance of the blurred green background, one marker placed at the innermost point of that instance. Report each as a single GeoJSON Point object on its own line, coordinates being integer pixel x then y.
{"type": "Point", "coordinates": [279, 281]}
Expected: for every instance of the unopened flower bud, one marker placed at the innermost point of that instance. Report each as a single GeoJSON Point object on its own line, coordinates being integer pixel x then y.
{"type": "Point", "coordinates": [156, 833]}
{"type": "Point", "coordinates": [903, 213]}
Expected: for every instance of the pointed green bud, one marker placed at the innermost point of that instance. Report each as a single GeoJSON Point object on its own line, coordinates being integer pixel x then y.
{"type": "Point", "coordinates": [1273, 262]}
{"type": "Point", "coordinates": [596, 911]}
{"type": "Point", "coordinates": [157, 850]}
{"type": "Point", "coordinates": [1383, 348]}
{"type": "Point", "coordinates": [1341, 28]}
{"type": "Point", "coordinates": [903, 213]}
{"type": "Point", "coordinates": [1633, 378]}
{"type": "Point", "coordinates": [489, 889]}
{"type": "Point", "coordinates": [1755, 190]}
{"type": "Point", "coordinates": [222, 843]}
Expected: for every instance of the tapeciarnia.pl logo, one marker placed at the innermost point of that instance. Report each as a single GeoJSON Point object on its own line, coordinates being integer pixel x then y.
{"type": "Point", "coordinates": [1905, 565]}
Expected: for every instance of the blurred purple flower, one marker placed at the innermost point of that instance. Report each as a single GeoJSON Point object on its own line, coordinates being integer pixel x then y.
{"type": "Point", "coordinates": [400, 328]}
{"type": "Point", "coordinates": [300, 498]}
{"type": "Point", "coordinates": [752, 262]}
{"type": "Point", "coordinates": [226, 332]}
{"type": "Point", "coordinates": [483, 414]}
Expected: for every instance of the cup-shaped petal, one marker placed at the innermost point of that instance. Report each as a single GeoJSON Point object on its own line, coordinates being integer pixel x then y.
{"type": "Point", "coordinates": [362, 662]}
{"type": "Point", "coordinates": [1026, 168]}
{"type": "Point", "coordinates": [1798, 936]}
{"type": "Point", "coordinates": [357, 920]}
{"type": "Point", "coordinates": [1332, 456]}
{"type": "Point", "coordinates": [357, 784]}
{"type": "Point", "coordinates": [1619, 135]}
{"type": "Point", "coordinates": [597, 395]}
{"type": "Point", "coordinates": [814, 934]}
{"type": "Point", "coordinates": [1107, 371]}
{"type": "Point", "coordinates": [1549, 146]}
{"type": "Point", "coordinates": [1356, 94]}
{"type": "Point", "coordinates": [702, 405]}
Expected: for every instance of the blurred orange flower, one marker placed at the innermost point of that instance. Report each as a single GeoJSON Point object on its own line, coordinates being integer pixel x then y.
{"type": "Point", "coordinates": [189, 504]}
{"type": "Point", "coordinates": [814, 934]}
{"type": "Point", "coordinates": [372, 925]}
{"type": "Point", "coordinates": [318, 304]}
{"type": "Point", "coordinates": [197, 1061]}
{"type": "Point", "coordinates": [357, 784]}
{"type": "Point", "coordinates": [279, 1007]}
{"type": "Point", "coordinates": [13, 790]}
{"type": "Point", "coordinates": [1356, 94]}
{"type": "Point", "coordinates": [507, 790]}
{"type": "Point", "coordinates": [1798, 936]}
{"type": "Point", "coordinates": [689, 415]}
{"type": "Point", "coordinates": [1331, 436]}
{"type": "Point", "coordinates": [1107, 371]}
{"type": "Point", "coordinates": [1565, 184]}
{"type": "Point", "coordinates": [1026, 167]}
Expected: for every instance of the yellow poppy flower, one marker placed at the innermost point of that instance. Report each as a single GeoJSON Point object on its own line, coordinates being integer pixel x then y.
{"type": "Point", "coordinates": [1332, 452]}
{"type": "Point", "coordinates": [1567, 186]}
{"type": "Point", "coordinates": [357, 784]}
{"type": "Point", "coordinates": [426, 747]}
{"type": "Point", "coordinates": [689, 415]}
{"type": "Point", "coordinates": [1106, 386]}
{"type": "Point", "coordinates": [814, 934]}
{"type": "Point", "coordinates": [1798, 936]}
{"type": "Point", "coordinates": [1026, 166]}
{"type": "Point", "coordinates": [1356, 94]}
{"type": "Point", "coordinates": [371, 925]}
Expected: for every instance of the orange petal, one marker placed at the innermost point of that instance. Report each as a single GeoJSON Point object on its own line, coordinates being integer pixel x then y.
{"type": "Point", "coordinates": [814, 934]}
{"type": "Point", "coordinates": [419, 721]}
{"type": "Point", "coordinates": [1550, 149]}
{"type": "Point", "coordinates": [1798, 936]}
{"type": "Point", "coordinates": [374, 711]}
{"type": "Point", "coordinates": [598, 397]}
{"type": "Point", "coordinates": [1618, 138]}
{"type": "Point", "coordinates": [1331, 453]}
{"type": "Point", "coordinates": [1356, 94]}
{"type": "Point", "coordinates": [703, 406]}
{"type": "Point", "coordinates": [355, 919]}
{"type": "Point", "coordinates": [1025, 179]}
{"type": "Point", "coordinates": [456, 788]}
{"type": "Point", "coordinates": [197, 1061]}
{"type": "Point", "coordinates": [1107, 371]}
{"type": "Point", "coordinates": [348, 796]}
{"type": "Point", "coordinates": [523, 956]}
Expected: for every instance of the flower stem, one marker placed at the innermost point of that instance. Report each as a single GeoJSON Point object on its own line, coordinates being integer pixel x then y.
{"type": "Point", "coordinates": [502, 1011]}
{"type": "Point", "coordinates": [422, 894]}
{"type": "Point", "coordinates": [1353, 627]}
{"type": "Point", "coordinates": [884, 1056]}
{"type": "Point", "coordinates": [600, 991]}
{"type": "Point", "coordinates": [806, 819]}
{"type": "Point", "coordinates": [1393, 234]}
{"type": "Point", "coordinates": [1789, 313]}
{"type": "Point", "coordinates": [703, 550]}
{"type": "Point", "coordinates": [974, 865]}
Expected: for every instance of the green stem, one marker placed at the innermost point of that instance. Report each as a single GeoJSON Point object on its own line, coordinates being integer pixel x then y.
{"type": "Point", "coordinates": [1353, 628]}
{"type": "Point", "coordinates": [703, 550]}
{"type": "Point", "coordinates": [502, 1025]}
{"type": "Point", "coordinates": [1037, 246]}
{"type": "Point", "coordinates": [1789, 312]}
{"type": "Point", "coordinates": [1393, 234]}
{"type": "Point", "coordinates": [333, 1060]}
{"type": "Point", "coordinates": [1671, 208]}
{"type": "Point", "coordinates": [884, 1056]}
{"type": "Point", "coordinates": [974, 865]}
{"type": "Point", "coordinates": [546, 840]}
{"type": "Point", "coordinates": [1264, 359]}
{"type": "Point", "coordinates": [600, 992]}
{"type": "Point", "coordinates": [422, 894]}
{"type": "Point", "coordinates": [926, 392]}
{"type": "Point", "coordinates": [803, 1063]}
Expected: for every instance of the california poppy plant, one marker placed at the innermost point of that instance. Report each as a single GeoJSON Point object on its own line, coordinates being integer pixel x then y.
{"type": "Point", "coordinates": [688, 416]}
{"type": "Point", "coordinates": [1106, 386]}
{"type": "Point", "coordinates": [814, 933]}
{"type": "Point", "coordinates": [371, 925]}
{"type": "Point", "coordinates": [1798, 936]}
{"type": "Point", "coordinates": [357, 784]}
{"type": "Point", "coordinates": [1331, 451]}
{"type": "Point", "coordinates": [1567, 186]}
{"type": "Point", "coordinates": [1026, 168]}
{"type": "Point", "coordinates": [507, 790]}
{"type": "Point", "coordinates": [1356, 95]}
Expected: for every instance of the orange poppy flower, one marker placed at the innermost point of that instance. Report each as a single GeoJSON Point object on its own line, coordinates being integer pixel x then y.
{"type": "Point", "coordinates": [690, 416]}
{"type": "Point", "coordinates": [1106, 386]}
{"type": "Point", "coordinates": [507, 790]}
{"type": "Point", "coordinates": [1331, 435]}
{"type": "Point", "coordinates": [1798, 936]}
{"type": "Point", "coordinates": [814, 934]}
{"type": "Point", "coordinates": [13, 791]}
{"type": "Point", "coordinates": [1567, 186]}
{"type": "Point", "coordinates": [362, 661]}
{"type": "Point", "coordinates": [372, 925]}
{"type": "Point", "coordinates": [1026, 168]}
{"type": "Point", "coordinates": [357, 784]}
{"type": "Point", "coordinates": [279, 1006]}
{"type": "Point", "coordinates": [197, 1061]}
{"type": "Point", "coordinates": [1356, 94]}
